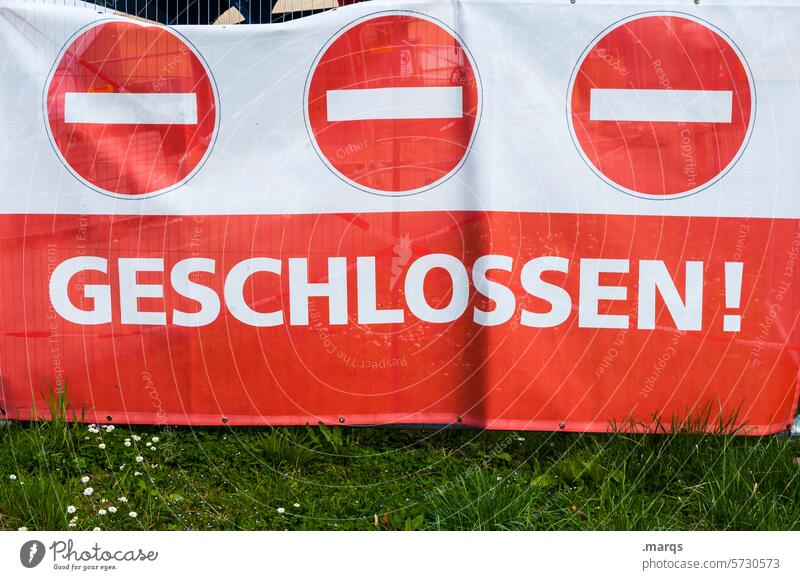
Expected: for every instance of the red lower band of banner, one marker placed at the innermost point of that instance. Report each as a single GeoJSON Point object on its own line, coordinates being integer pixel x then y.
{"type": "Point", "coordinates": [500, 320]}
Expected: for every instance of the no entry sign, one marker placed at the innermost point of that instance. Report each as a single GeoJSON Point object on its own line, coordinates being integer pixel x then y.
{"type": "Point", "coordinates": [393, 102]}
{"type": "Point", "coordinates": [661, 105]}
{"type": "Point", "coordinates": [131, 109]}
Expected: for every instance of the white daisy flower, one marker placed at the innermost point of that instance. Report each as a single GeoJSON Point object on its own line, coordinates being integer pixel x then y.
{"type": "Point", "coordinates": [132, 514]}
{"type": "Point", "coordinates": [101, 512]}
{"type": "Point", "coordinates": [97, 530]}
{"type": "Point", "coordinates": [88, 491]}
{"type": "Point", "coordinates": [296, 505]}
{"type": "Point", "coordinates": [102, 446]}
{"type": "Point", "coordinates": [136, 438]}
{"type": "Point", "coordinates": [139, 458]}
{"type": "Point", "coordinates": [71, 509]}
{"type": "Point", "coordinates": [85, 479]}
{"type": "Point", "coordinates": [123, 499]}
{"type": "Point", "coordinates": [110, 428]}
{"type": "Point", "coordinates": [12, 477]}
{"type": "Point", "coordinates": [155, 440]}
{"type": "Point", "coordinates": [22, 529]}
{"type": "Point", "coordinates": [153, 448]}
{"type": "Point", "coordinates": [127, 443]}
{"type": "Point", "coordinates": [112, 509]}
{"type": "Point", "coordinates": [148, 444]}
{"type": "Point", "coordinates": [281, 510]}
{"type": "Point", "coordinates": [72, 524]}
{"type": "Point", "coordinates": [137, 473]}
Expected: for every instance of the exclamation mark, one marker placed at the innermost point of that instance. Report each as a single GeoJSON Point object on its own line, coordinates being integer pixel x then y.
{"type": "Point", "coordinates": [733, 295]}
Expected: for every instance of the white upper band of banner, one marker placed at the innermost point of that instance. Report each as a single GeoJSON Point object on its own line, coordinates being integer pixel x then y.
{"type": "Point", "coordinates": [524, 157]}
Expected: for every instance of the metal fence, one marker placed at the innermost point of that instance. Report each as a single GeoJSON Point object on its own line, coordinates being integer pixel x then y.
{"type": "Point", "coordinates": [174, 12]}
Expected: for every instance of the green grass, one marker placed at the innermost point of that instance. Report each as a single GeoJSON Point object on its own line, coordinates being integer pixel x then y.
{"type": "Point", "coordinates": [367, 479]}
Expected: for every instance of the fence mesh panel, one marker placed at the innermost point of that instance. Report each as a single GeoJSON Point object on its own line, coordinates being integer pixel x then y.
{"type": "Point", "coordinates": [174, 12]}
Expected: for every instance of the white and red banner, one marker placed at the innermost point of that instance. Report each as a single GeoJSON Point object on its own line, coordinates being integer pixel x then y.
{"type": "Point", "coordinates": [513, 215]}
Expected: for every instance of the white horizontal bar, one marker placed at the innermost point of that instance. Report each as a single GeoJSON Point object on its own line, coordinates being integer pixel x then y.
{"type": "Point", "coordinates": [395, 103]}
{"type": "Point", "coordinates": [657, 105]}
{"type": "Point", "coordinates": [131, 108]}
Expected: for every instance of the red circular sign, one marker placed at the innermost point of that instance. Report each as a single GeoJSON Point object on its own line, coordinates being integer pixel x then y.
{"type": "Point", "coordinates": [393, 103]}
{"type": "Point", "coordinates": [662, 105]}
{"type": "Point", "coordinates": [131, 108]}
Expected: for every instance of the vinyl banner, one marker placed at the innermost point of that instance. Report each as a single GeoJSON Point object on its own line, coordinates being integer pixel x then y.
{"type": "Point", "coordinates": [512, 215]}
